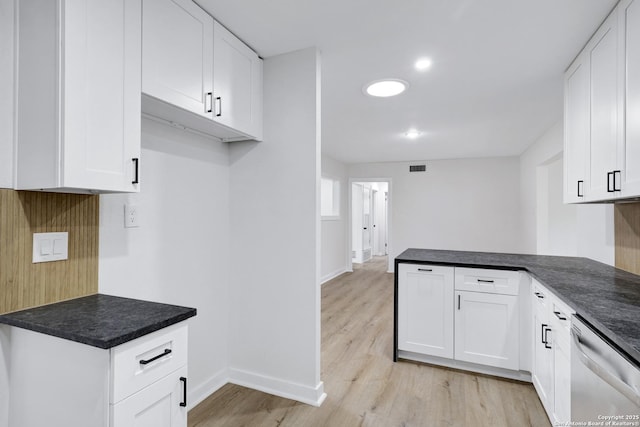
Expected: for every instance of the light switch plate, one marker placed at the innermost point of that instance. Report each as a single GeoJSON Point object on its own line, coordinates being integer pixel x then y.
{"type": "Point", "coordinates": [50, 247]}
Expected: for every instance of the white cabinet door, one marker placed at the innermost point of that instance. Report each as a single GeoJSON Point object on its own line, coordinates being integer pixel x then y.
{"type": "Point", "coordinates": [562, 380]}
{"type": "Point", "coordinates": [486, 329]}
{"type": "Point", "coordinates": [425, 309]}
{"type": "Point", "coordinates": [237, 83]}
{"type": "Point", "coordinates": [158, 405]}
{"type": "Point", "coordinates": [576, 130]}
{"type": "Point", "coordinates": [543, 372]}
{"type": "Point", "coordinates": [629, 19]}
{"type": "Point", "coordinates": [605, 110]}
{"type": "Point", "coordinates": [102, 94]}
{"type": "Point", "coordinates": [79, 97]}
{"type": "Point", "coordinates": [177, 59]}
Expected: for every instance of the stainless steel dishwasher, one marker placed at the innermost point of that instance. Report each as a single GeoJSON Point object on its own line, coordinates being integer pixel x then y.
{"type": "Point", "coordinates": [605, 383]}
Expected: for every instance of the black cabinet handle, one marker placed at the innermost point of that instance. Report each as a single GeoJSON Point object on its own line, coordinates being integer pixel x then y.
{"type": "Point", "coordinates": [546, 338]}
{"type": "Point", "coordinates": [184, 391]}
{"type": "Point", "coordinates": [539, 295]}
{"type": "Point", "coordinates": [542, 340]}
{"type": "Point", "coordinates": [557, 313]}
{"type": "Point", "coordinates": [136, 163]}
{"type": "Point", "coordinates": [617, 174]}
{"type": "Point", "coordinates": [218, 106]}
{"type": "Point", "coordinates": [609, 186]}
{"type": "Point", "coordinates": [425, 269]}
{"type": "Point", "coordinates": [163, 354]}
{"type": "Point", "coordinates": [458, 301]}
{"type": "Point", "coordinates": [208, 104]}
{"type": "Point", "coordinates": [484, 281]}
{"type": "Point", "coordinates": [580, 187]}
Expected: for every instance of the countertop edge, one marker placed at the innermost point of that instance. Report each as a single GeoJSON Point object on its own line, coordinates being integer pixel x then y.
{"type": "Point", "coordinates": [103, 344]}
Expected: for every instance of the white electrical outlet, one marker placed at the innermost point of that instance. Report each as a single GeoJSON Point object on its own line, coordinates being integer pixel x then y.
{"type": "Point", "coordinates": [50, 247]}
{"type": "Point", "coordinates": [131, 216]}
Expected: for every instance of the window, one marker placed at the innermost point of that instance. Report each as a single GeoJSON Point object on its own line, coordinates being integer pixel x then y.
{"type": "Point", "coordinates": [329, 199]}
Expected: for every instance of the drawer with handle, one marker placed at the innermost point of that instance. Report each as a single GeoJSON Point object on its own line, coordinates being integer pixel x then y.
{"type": "Point", "coordinates": [504, 282]}
{"type": "Point", "coordinates": [139, 363]}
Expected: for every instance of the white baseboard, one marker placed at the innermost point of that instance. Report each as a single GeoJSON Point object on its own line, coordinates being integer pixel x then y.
{"type": "Point", "coordinates": [206, 389]}
{"type": "Point", "coordinates": [333, 275]}
{"type": "Point", "coordinates": [289, 390]}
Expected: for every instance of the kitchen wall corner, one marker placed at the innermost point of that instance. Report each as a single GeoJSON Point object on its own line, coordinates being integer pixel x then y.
{"type": "Point", "coordinates": [627, 236]}
{"type": "Point", "coordinates": [22, 213]}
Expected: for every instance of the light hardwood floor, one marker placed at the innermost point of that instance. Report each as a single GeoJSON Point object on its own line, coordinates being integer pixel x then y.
{"type": "Point", "coordinates": [365, 387]}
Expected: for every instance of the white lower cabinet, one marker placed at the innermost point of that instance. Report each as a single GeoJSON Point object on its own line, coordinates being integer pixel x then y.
{"type": "Point", "coordinates": [542, 372]}
{"type": "Point", "coordinates": [479, 320]}
{"type": "Point", "coordinates": [486, 329]}
{"type": "Point", "coordinates": [159, 405]}
{"type": "Point", "coordinates": [140, 383]}
{"type": "Point", "coordinates": [459, 314]}
{"type": "Point", "coordinates": [551, 357]}
{"type": "Point", "coordinates": [425, 309]}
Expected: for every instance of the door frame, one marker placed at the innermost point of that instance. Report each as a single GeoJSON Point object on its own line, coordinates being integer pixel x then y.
{"type": "Point", "coordinates": [349, 242]}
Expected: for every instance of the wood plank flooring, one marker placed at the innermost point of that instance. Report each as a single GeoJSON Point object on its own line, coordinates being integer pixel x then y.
{"type": "Point", "coordinates": [365, 387]}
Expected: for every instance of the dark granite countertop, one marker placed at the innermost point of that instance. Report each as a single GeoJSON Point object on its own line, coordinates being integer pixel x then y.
{"type": "Point", "coordinates": [606, 297]}
{"type": "Point", "coordinates": [102, 321]}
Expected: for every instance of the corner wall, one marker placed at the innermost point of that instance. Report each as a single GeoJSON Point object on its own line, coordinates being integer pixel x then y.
{"type": "Point", "coordinates": [334, 232]}
{"type": "Point", "coordinates": [594, 228]}
{"type": "Point", "coordinates": [180, 253]}
{"type": "Point", "coordinates": [274, 332]}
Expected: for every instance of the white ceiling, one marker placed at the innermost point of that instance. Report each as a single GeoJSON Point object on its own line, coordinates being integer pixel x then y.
{"type": "Point", "coordinates": [495, 85]}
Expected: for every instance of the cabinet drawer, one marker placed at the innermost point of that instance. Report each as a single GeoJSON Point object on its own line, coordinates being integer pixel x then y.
{"type": "Point", "coordinates": [561, 322]}
{"type": "Point", "coordinates": [488, 281]}
{"type": "Point", "coordinates": [138, 363]}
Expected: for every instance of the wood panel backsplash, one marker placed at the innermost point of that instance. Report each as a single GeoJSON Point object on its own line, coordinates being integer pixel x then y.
{"type": "Point", "coordinates": [22, 213]}
{"type": "Point", "coordinates": [627, 236]}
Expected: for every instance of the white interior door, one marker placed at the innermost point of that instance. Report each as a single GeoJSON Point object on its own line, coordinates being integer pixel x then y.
{"type": "Point", "coordinates": [374, 222]}
{"type": "Point", "coordinates": [366, 223]}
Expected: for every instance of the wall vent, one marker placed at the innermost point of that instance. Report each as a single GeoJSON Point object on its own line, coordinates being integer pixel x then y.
{"type": "Point", "coordinates": [417, 168]}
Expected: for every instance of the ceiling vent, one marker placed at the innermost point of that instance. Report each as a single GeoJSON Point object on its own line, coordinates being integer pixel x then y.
{"type": "Point", "coordinates": [417, 168]}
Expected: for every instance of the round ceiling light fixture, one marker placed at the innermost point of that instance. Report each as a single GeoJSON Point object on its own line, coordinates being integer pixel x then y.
{"type": "Point", "coordinates": [386, 87]}
{"type": "Point", "coordinates": [423, 64]}
{"type": "Point", "coordinates": [412, 133]}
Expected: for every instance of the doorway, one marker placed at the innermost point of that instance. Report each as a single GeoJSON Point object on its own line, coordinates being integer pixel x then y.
{"type": "Point", "coordinates": [369, 208]}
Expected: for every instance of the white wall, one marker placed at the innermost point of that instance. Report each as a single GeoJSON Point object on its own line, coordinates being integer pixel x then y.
{"type": "Point", "coordinates": [468, 204]}
{"type": "Point", "coordinates": [275, 247]}
{"type": "Point", "coordinates": [334, 232]}
{"type": "Point", "coordinates": [180, 253]}
{"type": "Point", "coordinates": [6, 94]}
{"type": "Point", "coordinates": [556, 221]}
{"type": "Point", "coordinates": [594, 232]}
{"type": "Point", "coordinates": [6, 167]}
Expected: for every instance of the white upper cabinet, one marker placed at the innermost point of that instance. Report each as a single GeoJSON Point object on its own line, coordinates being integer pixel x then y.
{"type": "Point", "coordinates": [611, 64]}
{"type": "Point", "coordinates": [237, 83]}
{"type": "Point", "coordinates": [605, 109]}
{"type": "Point", "coordinates": [197, 74]}
{"type": "Point", "coordinates": [576, 129]}
{"type": "Point", "coordinates": [78, 95]}
{"type": "Point", "coordinates": [177, 63]}
{"type": "Point", "coordinates": [629, 19]}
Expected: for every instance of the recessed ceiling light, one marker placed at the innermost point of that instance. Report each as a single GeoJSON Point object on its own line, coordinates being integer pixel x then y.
{"type": "Point", "coordinates": [423, 64]}
{"type": "Point", "coordinates": [412, 133]}
{"type": "Point", "coordinates": [386, 87]}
